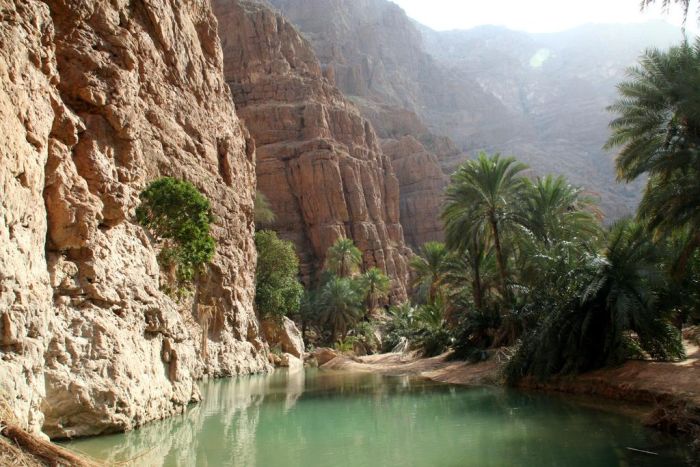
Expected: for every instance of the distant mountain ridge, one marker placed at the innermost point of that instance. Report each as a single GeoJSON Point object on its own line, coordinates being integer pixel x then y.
{"type": "Point", "coordinates": [539, 97]}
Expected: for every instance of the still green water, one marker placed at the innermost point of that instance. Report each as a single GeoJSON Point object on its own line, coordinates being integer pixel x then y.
{"type": "Point", "coordinates": [320, 418]}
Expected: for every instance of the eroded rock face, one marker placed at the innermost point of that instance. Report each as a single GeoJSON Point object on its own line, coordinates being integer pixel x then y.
{"type": "Point", "coordinates": [319, 161]}
{"type": "Point", "coordinates": [422, 184]}
{"type": "Point", "coordinates": [109, 96]}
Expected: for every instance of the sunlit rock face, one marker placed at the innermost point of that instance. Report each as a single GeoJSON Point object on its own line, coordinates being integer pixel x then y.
{"type": "Point", "coordinates": [319, 162]}
{"type": "Point", "coordinates": [105, 97]}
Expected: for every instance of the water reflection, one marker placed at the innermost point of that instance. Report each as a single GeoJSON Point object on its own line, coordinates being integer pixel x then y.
{"type": "Point", "coordinates": [318, 418]}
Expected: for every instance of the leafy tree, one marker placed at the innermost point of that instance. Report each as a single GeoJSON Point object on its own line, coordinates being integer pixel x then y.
{"type": "Point", "coordinates": [343, 258]}
{"type": "Point", "coordinates": [340, 306]}
{"type": "Point", "coordinates": [428, 268]}
{"type": "Point", "coordinates": [278, 292]}
{"type": "Point", "coordinates": [376, 286]}
{"type": "Point", "coordinates": [658, 128]}
{"type": "Point", "coordinates": [263, 210]}
{"type": "Point", "coordinates": [177, 214]}
{"type": "Point", "coordinates": [483, 197]}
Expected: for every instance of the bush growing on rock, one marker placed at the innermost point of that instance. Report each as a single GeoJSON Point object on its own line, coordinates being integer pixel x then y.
{"type": "Point", "coordinates": [179, 216]}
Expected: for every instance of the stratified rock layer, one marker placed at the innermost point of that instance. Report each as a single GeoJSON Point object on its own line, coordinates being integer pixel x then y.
{"type": "Point", "coordinates": [319, 161]}
{"type": "Point", "coordinates": [97, 99]}
{"type": "Point", "coordinates": [422, 183]}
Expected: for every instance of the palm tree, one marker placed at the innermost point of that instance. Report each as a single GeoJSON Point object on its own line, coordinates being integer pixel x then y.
{"type": "Point", "coordinates": [474, 265]}
{"type": "Point", "coordinates": [340, 306]}
{"type": "Point", "coordinates": [482, 197]}
{"type": "Point", "coordinates": [343, 258]}
{"type": "Point", "coordinates": [376, 286]}
{"type": "Point", "coordinates": [555, 211]}
{"type": "Point", "coordinates": [658, 128]}
{"type": "Point", "coordinates": [263, 210]}
{"type": "Point", "coordinates": [428, 268]}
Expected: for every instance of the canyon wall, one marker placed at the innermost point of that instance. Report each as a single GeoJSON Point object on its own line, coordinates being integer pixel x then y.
{"type": "Point", "coordinates": [319, 162]}
{"type": "Point", "coordinates": [539, 97]}
{"type": "Point", "coordinates": [97, 99]}
{"type": "Point", "coordinates": [421, 182]}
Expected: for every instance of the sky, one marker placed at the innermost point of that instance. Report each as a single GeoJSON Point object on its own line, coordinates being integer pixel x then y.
{"type": "Point", "coordinates": [532, 15]}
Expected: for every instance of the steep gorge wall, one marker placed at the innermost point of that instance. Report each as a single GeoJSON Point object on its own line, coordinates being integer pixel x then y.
{"type": "Point", "coordinates": [97, 99]}
{"type": "Point", "coordinates": [319, 162]}
{"type": "Point", "coordinates": [421, 182]}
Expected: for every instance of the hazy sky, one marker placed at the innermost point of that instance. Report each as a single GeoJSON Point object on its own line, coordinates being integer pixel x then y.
{"type": "Point", "coordinates": [530, 15]}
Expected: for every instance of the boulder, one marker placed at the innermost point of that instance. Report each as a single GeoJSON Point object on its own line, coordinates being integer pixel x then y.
{"type": "Point", "coordinates": [324, 355]}
{"type": "Point", "coordinates": [285, 335]}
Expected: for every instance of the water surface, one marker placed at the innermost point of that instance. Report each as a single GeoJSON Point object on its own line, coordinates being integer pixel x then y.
{"type": "Point", "coordinates": [322, 419]}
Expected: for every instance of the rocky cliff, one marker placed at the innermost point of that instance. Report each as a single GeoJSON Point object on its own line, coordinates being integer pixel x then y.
{"type": "Point", "coordinates": [97, 99]}
{"type": "Point", "coordinates": [319, 162]}
{"type": "Point", "coordinates": [421, 182]}
{"type": "Point", "coordinates": [539, 97]}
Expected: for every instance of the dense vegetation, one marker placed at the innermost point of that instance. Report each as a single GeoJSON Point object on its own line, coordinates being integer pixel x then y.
{"type": "Point", "coordinates": [179, 217]}
{"type": "Point", "coordinates": [528, 263]}
{"type": "Point", "coordinates": [278, 291]}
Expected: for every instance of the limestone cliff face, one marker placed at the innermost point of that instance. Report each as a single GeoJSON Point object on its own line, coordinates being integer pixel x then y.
{"type": "Point", "coordinates": [421, 182]}
{"type": "Point", "coordinates": [319, 162]}
{"type": "Point", "coordinates": [97, 99]}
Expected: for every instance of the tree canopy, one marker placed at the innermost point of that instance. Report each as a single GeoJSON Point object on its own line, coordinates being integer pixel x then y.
{"type": "Point", "coordinates": [278, 291]}
{"type": "Point", "coordinates": [179, 216]}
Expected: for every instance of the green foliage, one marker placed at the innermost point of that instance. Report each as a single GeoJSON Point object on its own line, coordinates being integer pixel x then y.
{"type": "Point", "coordinates": [482, 200]}
{"type": "Point", "coordinates": [428, 270]}
{"type": "Point", "coordinates": [375, 286]}
{"type": "Point", "coordinates": [658, 130]}
{"type": "Point", "coordinates": [476, 333]}
{"type": "Point", "coordinates": [610, 299]}
{"type": "Point", "coordinates": [402, 326]}
{"type": "Point", "coordinates": [277, 290]}
{"type": "Point", "coordinates": [177, 214]}
{"type": "Point", "coordinates": [555, 211]}
{"type": "Point", "coordinates": [343, 259]}
{"type": "Point", "coordinates": [365, 337]}
{"type": "Point", "coordinates": [346, 345]}
{"type": "Point", "coordinates": [340, 305]}
{"type": "Point", "coordinates": [424, 327]}
{"type": "Point", "coordinates": [432, 336]}
{"type": "Point", "coordinates": [263, 209]}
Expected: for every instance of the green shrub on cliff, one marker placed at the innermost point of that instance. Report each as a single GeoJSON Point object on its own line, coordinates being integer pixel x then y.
{"type": "Point", "coordinates": [179, 216]}
{"type": "Point", "coordinates": [277, 289]}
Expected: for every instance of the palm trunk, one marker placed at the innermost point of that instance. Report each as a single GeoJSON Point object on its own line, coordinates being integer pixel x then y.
{"type": "Point", "coordinates": [499, 256]}
{"type": "Point", "coordinates": [682, 263]}
{"type": "Point", "coordinates": [477, 288]}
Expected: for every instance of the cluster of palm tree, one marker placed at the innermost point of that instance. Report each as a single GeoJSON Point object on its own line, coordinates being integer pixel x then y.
{"type": "Point", "coordinates": [527, 263]}
{"type": "Point", "coordinates": [345, 297]}
{"type": "Point", "coordinates": [500, 226]}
